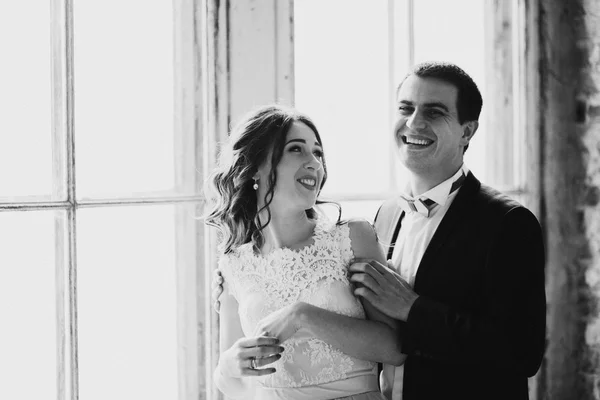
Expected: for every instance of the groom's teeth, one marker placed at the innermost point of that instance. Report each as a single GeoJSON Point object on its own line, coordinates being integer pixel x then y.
{"type": "Point", "coordinates": [421, 142]}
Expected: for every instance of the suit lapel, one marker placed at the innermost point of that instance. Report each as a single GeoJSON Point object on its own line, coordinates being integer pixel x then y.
{"type": "Point", "coordinates": [458, 208]}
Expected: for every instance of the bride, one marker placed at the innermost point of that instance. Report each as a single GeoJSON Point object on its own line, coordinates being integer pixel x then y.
{"type": "Point", "coordinates": [291, 326]}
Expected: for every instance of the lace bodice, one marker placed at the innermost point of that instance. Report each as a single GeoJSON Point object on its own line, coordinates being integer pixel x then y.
{"type": "Point", "coordinates": [315, 274]}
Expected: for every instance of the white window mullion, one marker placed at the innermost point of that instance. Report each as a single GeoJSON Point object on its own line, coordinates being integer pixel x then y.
{"type": "Point", "coordinates": [284, 57]}
{"type": "Point", "coordinates": [59, 192]}
{"type": "Point", "coordinates": [410, 26]}
{"type": "Point", "coordinates": [518, 150]}
{"type": "Point", "coordinates": [63, 196]}
{"type": "Point", "coordinates": [498, 127]}
{"type": "Point", "coordinates": [188, 102]}
{"type": "Point", "coordinates": [71, 198]}
{"type": "Point", "coordinates": [63, 350]}
{"type": "Point", "coordinates": [525, 22]}
{"type": "Point", "coordinates": [59, 100]}
{"type": "Point", "coordinates": [392, 66]}
{"type": "Point", "coordinates": [401, 60]}
{"type": "Point", "coordinates": [214, 124]}
{"type": "Point", "coordinates": [71, 285]}
{"type": "Point", "coordinates": [72, 211]}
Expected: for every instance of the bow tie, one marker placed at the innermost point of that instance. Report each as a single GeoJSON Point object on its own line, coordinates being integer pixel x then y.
{"type": "Point", "coordinates": [424, 206]}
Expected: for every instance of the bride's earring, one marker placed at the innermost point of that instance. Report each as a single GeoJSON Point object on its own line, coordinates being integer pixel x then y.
{"type": "Point", "coordinates": [255, 186]}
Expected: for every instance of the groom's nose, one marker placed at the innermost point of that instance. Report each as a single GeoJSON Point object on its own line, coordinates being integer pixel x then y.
{"type": "Point", "coordinates": [416, 121]}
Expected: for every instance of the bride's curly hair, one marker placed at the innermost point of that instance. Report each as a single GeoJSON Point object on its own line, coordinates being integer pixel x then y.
{"type": "Point", "coordinates": [233, 206]}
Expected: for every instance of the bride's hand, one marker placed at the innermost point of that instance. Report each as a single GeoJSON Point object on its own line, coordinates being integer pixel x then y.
{"type": "Point", "coordinates": [283, 323]}
{"type": "Point", "coordinates": [247, 356]}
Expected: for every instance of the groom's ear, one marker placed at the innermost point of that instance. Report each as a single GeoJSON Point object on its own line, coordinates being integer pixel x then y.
{"type": "Point", "coordinates": [469, 129]}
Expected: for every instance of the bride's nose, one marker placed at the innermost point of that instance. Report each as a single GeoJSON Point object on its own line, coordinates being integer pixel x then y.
{"type": "Point", "coordinates": [313, 164]}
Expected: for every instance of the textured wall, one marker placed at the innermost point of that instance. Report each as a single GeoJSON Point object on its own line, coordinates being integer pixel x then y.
{"type": "Point", "coordinates": [570, 124]}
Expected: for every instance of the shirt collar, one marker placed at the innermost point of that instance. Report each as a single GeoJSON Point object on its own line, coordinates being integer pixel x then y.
{"type": "Point", "coordinates": [440, 193]}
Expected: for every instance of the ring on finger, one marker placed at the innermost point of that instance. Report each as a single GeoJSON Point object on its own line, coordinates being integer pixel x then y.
{"type": "Point", "coordinates": [253, 363]}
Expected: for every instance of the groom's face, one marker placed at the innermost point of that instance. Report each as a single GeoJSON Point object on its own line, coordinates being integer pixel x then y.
{"type": "Point", "coordinates": [429, 138]}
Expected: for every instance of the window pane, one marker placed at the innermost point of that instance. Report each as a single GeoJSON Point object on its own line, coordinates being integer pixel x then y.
{"type": "Point", "coordinates": [123, 96]}
{"type": "Point", "coordinates": [127, 303]}
{"type": "Point", "coordinates": [459, 38]}
{"type": "Point", "coordinates": [25, 126]}
{"type": "Point", "coordinates": [27, 293]}
{"type": "Point", "coordinates": [361, 209]}
{"type": "Point", "coordinates": [342, 83]}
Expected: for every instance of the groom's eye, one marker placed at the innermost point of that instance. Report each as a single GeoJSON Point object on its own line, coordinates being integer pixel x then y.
{"type": "Point", "coordinates": [433, 113]}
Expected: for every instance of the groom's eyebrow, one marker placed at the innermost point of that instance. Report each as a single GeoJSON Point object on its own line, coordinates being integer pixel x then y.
{"type": "Point", "coordinates": [436, 104]}
{"type": "Point", "coordinates": [431, 104]}
{"type": "Point", "coordinates": [302, 141]}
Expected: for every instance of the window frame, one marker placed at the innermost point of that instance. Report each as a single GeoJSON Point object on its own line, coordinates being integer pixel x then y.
{"type": "Point", "coordinates": [193, 309]}
{"type": "Point", "coordinates": [506, 27]}
{"type": "Point", "coordinates": [211, 91]}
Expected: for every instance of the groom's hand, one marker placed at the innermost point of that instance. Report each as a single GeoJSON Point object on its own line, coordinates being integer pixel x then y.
{"type": "Point", "coordinates": [382, 287]}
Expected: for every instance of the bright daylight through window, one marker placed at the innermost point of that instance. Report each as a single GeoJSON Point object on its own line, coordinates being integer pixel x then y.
{"type": "Point", "coordinates": [112, 113]}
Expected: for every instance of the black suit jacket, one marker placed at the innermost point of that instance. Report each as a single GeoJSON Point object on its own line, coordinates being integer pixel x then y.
{"type": "Point", "coordinates": [477, 330]}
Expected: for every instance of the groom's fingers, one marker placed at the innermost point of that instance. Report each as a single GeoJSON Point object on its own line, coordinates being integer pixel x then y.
{"type": "Point", "coordinates": [367, 294]}
{"type": "Point", "coordinates": [366, 280]}
{"type": "Point", "coordinates": [367, 268]}
{"type": "Point", "coordinates": [374, 263]}
{"type": "Point", "coordinates": [358, 261]}
{"type": "Point", "coordinates": [382, 269]}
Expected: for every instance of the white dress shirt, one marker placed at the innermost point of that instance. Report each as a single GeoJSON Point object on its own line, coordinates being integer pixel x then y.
{"type": "Point", "coordinates": [413, 239]}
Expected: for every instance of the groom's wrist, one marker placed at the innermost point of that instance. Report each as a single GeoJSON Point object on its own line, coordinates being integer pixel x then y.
{"type": "Point", "coordinates": [407, 309]}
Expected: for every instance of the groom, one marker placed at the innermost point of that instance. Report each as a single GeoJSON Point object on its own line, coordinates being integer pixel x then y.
{"type": "Point", "coordinates": [466, 276]}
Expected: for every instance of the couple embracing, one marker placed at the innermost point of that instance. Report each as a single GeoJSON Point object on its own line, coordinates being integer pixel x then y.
{"type": "Point", "coordinates": [443, 298]}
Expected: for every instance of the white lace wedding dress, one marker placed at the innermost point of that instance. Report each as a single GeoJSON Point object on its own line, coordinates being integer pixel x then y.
{"type": "Point", "coordinates": [317, 274]}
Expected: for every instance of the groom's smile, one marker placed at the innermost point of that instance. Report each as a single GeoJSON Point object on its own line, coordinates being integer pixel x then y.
{"type": "Point", "coordinates": [416, 141]}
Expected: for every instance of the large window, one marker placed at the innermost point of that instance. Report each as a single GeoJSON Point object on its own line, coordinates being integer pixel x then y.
{"type": "Point", "coordinates": [101, 281]}
{"type": "Point", "coordinates": [349, 63]}
{"type": "Point", "coordinates": [112, 116]}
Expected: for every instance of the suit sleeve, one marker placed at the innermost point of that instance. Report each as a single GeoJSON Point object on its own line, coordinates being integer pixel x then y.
{"type": "Point", "coordinates": [510, 331]}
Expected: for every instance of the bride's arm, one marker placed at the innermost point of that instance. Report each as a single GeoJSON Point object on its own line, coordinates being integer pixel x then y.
{"type": "Point", "coordinates": [233, 373]}
{"type": "Point", "coordinates": [374, 339]}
